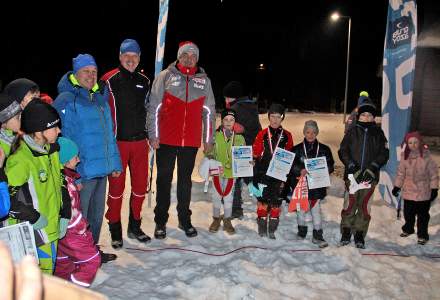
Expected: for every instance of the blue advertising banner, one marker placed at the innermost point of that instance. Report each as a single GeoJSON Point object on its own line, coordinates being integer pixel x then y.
{"type": "Point", "coordinates": [398, 77]}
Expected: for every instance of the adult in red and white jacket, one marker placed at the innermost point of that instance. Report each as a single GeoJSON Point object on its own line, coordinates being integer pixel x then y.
{"type": "Point", "coordinates": [129, 90]}
{"type": "Point", "coordinates": [181, 103]}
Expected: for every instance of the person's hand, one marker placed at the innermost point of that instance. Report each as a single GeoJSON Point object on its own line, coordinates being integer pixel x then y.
{"type": "Point", "coordinates": [116, 174]}
{"type": "Point", "coordinates": [27, 277]}
{"type": "Point", "coordinates": [434, 194]}
{"type": "Point", "coordinates": [207, 147]}
{"type": "Point", "coordinates": [395, 191]}
{"type": "Point", "coordinates": [304, 172]}
{"type": "Point", "coordinates": [352, 168]}
{"type": "Point", "coordinates": [63, 227]}
{"type": "Point", "coordinates": [79, 186]}
{"type": "Point", "coordinates": [154, 143]}
{"type": "Point", "coordinates": [2, 157]}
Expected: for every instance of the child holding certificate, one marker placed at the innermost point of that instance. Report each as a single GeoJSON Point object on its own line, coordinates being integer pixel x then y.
{"type": "Point", "coordinates": [266, 143]}
{"type": "Point", "coordinates": [310, 148]}
{"type": "Point", "coordinates": [223, 183]}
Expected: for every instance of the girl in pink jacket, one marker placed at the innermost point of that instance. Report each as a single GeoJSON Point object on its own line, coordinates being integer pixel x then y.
{"type": "Point", "coordinates": [417, 176]}
{"type": "Point", "coordinates": [78, 258]}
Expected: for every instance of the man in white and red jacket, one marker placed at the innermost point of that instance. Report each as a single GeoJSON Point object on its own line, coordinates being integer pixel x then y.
{"type": "Point", "coordinates": [129, 89]}
{"type": "Point", "coordinates": [181, 103]}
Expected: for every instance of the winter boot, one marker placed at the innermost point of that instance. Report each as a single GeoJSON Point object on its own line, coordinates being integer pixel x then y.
{"type": "Point", "coordinates": [116, 234]}
{"type": "Point", "coordinates": [359, 240]}
{"type": "Point", "coordinates": [227, 226]}
{"type": "Point", "coordinates": [422, 241]}
{"type": "Point", "coordinates": [134, 231]}
{"type": "Point", "coordinates": [318, 239]}
{"type": "Point", "coordinates": [302, 231]}
{"type": "Point", "coordinates": [190, 231]}
{"type": "Point", "coordinates": [262, 226]}
{"type": "Point", "coordinates": [273, 225]}
{"type": "Point", "coordinates": [215, 225]}
{"type": "Point", "coordinates": [106, 257]}
{"type": "Point", "coordinates": [160, 232]}
{"type": "Point", "coordinates": [237, 213]}
{"type": "Point", "coordinates": [346, 236]}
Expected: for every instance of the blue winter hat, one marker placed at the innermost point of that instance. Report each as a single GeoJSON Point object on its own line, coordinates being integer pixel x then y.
{"type": "Point", "coordinates": [130, 45]}
{"type": "Point", "coordinates": [81, 61]}
{"type": "Point", "coordinates": [68, 149]}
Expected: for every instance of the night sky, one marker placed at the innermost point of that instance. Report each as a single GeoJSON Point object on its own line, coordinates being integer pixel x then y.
{"type": "Point", "coordinates": [303, 51]}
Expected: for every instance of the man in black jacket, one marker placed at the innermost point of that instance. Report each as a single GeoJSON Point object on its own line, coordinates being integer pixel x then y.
{"type": "Point", "coordinates": [129, 90]}
{"type": "Point", "coordinates": [247, 123]}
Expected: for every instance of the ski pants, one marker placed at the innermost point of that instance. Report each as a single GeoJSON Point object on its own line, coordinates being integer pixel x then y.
{"type": "Point", "coordinates": [419, 209]}
{"type": "Point", "coordinates": [356, 211]}
{"type": "Point", "coordinates": [315, 212]}
{"type": "Point", "coordinates": [78, 258]}
{"type": "Point", "coordinates": [166, 157]}
{"type": "Point", "coordinates": [222, 190]}
{"type": "Point", "coordinates": [47, 254]}
{"type": "Point", "coordinates": [134, 155]}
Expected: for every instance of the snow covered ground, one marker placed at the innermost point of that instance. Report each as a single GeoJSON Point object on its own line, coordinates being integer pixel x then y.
{"type": "Point", "coordinates": [285, 268]}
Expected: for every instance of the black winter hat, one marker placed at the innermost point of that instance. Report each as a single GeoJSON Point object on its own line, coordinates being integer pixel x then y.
{"type": "Point", "coordinates": [18, 88]}
{"type": "Point", "coordinates": [276, 108]}
{"type": "Point", "coordinates": [39, 116]}
{"type": "Point", "coordinates": [367, 106]}
{"type": "Point", "coordinates": [233, 89]}
{"type": "Point", "coordinates": [8, 107]}
{"type": "Point", "coordinates": [228, 112]}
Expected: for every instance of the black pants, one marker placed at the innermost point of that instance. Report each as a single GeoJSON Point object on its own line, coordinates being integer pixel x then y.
{"type": "Point", "coordinates": [165, 159]}
{"type": "Point", "coordinates": [411, 209]}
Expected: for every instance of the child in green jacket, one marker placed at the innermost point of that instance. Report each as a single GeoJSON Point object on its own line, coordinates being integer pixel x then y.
{"type": "Point", "coordinates": [34, 177]}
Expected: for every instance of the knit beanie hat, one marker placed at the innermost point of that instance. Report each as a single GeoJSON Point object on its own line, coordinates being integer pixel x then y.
{"type": "Point", "coordinates": [228, 112]}
{"type": "Point", "coordinates": [39, 116]}
{"type": "Point", "coordinates": [276, 108]}
{"type": "Point", "coordinates": [130, 45]}
{"type": "Point", "coordinates": [18, 88]}
{"type": "Point", "coordinates": [81, 61]}
{"type": "Point", "coordinates": [409, 135]}
{"type": "Point", "coordinates": [8, 107]}
{"type": "Point", "coordinates": [68, 149]}
{"type": "Point", "coordinates": [186, 47]}
{"type": "Point", "coordinates": [311, 124]}
{"type": "Point", "coordinates": [233, 89]}
{"type": "Point", "coordinates": [367, 106]}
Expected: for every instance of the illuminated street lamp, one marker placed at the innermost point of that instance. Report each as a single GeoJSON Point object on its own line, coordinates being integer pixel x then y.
{"type": "Point", "coordinates": [335, 17]}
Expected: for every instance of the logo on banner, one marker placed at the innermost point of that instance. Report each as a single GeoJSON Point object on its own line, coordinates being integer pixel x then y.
{"type": "Point", "coordinates": [402, 30]}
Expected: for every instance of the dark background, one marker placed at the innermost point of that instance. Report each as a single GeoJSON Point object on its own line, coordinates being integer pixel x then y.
{"type": "Point", "coordinates": [303, 52]}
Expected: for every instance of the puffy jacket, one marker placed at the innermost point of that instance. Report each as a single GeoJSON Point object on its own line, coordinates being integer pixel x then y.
{"type": "Point", "coordinates": [364, 146]}
{"type": "Point", "coordinates": [177, 107]}
{"type": "Point", "coordinates": [417, 176]}
{"type": "Point", "coordinates": [247, 116]}
{"type": "Point", "coordinates": [128, 103]}
{"type": "Point", "coordinates": [86, 119]}
{"type": "Point", "coordinates": [313, 150]}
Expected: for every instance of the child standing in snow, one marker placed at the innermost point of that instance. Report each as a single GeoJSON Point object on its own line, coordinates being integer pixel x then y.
{"type": "Point", "coordinates": [311, 148]}
{"type": "Point", "coordinates": [267, 140]}
{"type": "Point", "coordinates": [78, 257]}
{"type": "Point", "coordinates": [417, 176]}
{"type": "Point", "coordinates": [34, 177]}
{"type": "Point", "coordinates": [363, 152]}
{"type": "Point", "coordinates": [223, 184]}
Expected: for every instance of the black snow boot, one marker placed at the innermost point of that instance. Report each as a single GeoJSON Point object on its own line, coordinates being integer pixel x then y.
{"type": "Point", "coordinates": [237, 213]}
{"type": "Point", "coordinates": [134, 230]}
{"type": "Point", "coordinates": [262, 226]}
{"type": "Point", "coordinates": [160, 232]}
{"type": "Point", "coordinates": [273, 225]}
{"type": "Point", "coordinates": [190, 231]}
{"type": "Point", "coordinates": [359, 240]}
{"type": "Point", "coordinates": [302, 231]}
{"type": "Point", "coordinates": [116, 234]}
{"type": "Point", "coordinates": [318, 239]}
{"type": "Point", "coordinates": [346, 236]}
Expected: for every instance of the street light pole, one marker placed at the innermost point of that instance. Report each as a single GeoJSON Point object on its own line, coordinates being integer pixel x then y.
{"type": "Point", "coordinates": [347, 70]}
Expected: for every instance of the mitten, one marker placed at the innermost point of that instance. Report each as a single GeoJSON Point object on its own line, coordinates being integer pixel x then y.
{"type": "Point", "coordinates": [41, 223]}
{"type": "Point", "coordinates": [434, 194]}
{"type": "Point", "coordinates": [395, 191]}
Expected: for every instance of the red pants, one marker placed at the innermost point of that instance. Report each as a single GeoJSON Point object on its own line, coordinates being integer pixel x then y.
{"type": "Point", "coordinates": [135, 155]}
{"type": "Point", "coordinates": [78, 258]}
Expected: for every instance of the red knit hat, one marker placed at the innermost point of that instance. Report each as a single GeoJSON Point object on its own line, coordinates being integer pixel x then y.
{"type": "Point", "coordinates": [409, 135]}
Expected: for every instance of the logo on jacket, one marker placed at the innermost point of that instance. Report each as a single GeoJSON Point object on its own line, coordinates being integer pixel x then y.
{"type": "Point", "coordinates": [42, 175]}
{"type": "Point", "coordinates": [175, 80]}
{"type": "Point", "coordinates": [139, 86]}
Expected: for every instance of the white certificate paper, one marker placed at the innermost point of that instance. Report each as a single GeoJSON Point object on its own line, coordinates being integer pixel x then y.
{"type": "Point", "coordinates": [20, 240]}
{"type": "Point", "coordinates": [242, 161]}
{"type": "Point", "coordinates": [280, 164]}
{"type": "Point", "coordinates": [318, 175]}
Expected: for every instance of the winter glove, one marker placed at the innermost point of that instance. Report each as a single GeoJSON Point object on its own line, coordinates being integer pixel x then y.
{"type": "Point", "coordinates": [395, 191]}
{"type": "Point", "coordinates": [352, 168]}
{"type": "Point", "coordinates": [41, 223]}
{"type": "Point", "coordinates": [434, 194]}
{"type": "Point", "coordinates": [63, 227]}
{"type": "Point", "coordinates": [367, 176]}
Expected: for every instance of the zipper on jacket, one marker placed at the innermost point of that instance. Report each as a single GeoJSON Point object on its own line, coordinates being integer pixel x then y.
{"type": "Point", "coordinates": [184, 115]}
{"type": "Point", "coordinates": [363, 148]}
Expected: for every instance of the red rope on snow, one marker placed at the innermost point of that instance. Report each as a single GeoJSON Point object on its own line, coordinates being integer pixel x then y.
{"type": "Point", "coordinates": [265, 248]}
